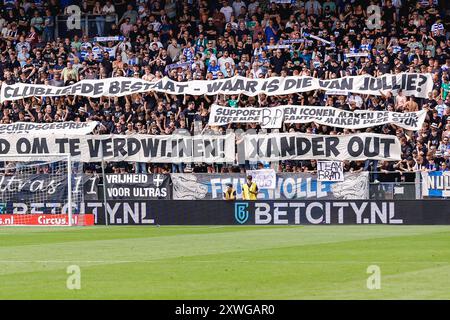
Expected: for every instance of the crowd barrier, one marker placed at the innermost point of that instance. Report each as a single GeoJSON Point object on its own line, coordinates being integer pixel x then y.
{"type": "Point", "coordinates": [43, 188]}
{"type": "Point", "coordinates": [79, 23]}
{"type": "Point", "coordinates": [287, 186]}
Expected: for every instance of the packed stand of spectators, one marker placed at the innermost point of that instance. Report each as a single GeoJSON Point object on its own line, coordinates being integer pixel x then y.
{"type": "Point", "coordinates": [192, 39]}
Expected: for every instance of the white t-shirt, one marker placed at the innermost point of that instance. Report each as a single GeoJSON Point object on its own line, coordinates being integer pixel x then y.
{"type": "Point", "coordinates": [2, 23]}
{"type": "Point", "coordinates": [222, 61]}
{"type": "Point", "coordinates": [111, 51]}
{"type": "Point", "coordinates": [252, 7]}
{"type": "Point", "coordinates": [124, 46]}
{"type": "Point", "coordinates": [358, 100]}
{"type": "Point", "coordinates": [437, 27]}
{"type": "Point", "coordinates": [237, 7]}
{"type": "Point", "coordinates": [109, 11]}
{"type": "Point", "coordinates": [227, 11]}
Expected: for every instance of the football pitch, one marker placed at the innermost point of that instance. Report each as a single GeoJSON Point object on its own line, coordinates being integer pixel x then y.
{"type": "Point", "coordinates": [229, 262]}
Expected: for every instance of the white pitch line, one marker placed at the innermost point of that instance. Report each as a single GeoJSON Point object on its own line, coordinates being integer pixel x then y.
{"type": "Point", "coordinates": [209, 261]}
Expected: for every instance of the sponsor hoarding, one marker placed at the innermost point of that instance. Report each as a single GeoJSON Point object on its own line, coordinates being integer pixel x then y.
{"type": "Point", "coordinates": [219, 212]}
{"type": "Point", "coordinates": [258, 212]}
{"type": "Point", "coordinates": [45, 219]}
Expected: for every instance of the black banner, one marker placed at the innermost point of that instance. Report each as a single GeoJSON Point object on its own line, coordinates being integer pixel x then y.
{"type": "Point", "coordinates": [220, 212]}
{"type": "Point", "coordinates": [43, 187]}
{"type": "Point", "coordinates": [46, 193]}
{"type": "Point", "coordinates": [137, 186]}
{"type": "Point", "coordinates": [216, 212]}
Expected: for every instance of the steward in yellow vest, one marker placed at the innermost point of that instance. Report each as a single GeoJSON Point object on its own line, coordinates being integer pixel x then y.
{"type": "Point", "coordinates": [230, 193]}
{"type": "Point", "coordinates": [249, 189]}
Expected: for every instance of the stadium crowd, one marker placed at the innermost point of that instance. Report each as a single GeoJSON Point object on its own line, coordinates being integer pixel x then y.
{"type": "Point", "coordinates": [191, 39]}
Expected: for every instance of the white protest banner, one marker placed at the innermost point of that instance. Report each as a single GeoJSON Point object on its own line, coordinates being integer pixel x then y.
{"type": "Point", "coordinates": [174, 148]}
{"type": "Point", "coordinates": [264, 178]}
{"type": "Point", "coordinates": [274, 117]}
{"type": "Point", "coordinates": [330, 171]}
{"type": "Point", "coordinates": [301, 146]}
{"type": "Point", "coordinates": [68, 127]}
{"type": "Point", "coordinates": [411, 83]}
{"type": "Point", "coordinates": [267, 117]}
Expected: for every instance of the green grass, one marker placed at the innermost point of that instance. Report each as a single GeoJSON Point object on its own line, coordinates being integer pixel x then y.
{"type": "Point", "coordinates": [288, 262]}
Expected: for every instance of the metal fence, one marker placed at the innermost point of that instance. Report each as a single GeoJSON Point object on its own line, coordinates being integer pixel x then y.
{"type": "Point", "coordinates": [84, 24]}
{"type": "Point", "coordinates": [395, 186]}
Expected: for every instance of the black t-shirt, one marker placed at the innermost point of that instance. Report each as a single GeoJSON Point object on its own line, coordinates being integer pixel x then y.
{"type": "Point", "coordinates": [321, 72]}
{"type": "Point", "coordinates": [107, 65]}
{"type": "Point", "coordinates": [14, 64]}
{"type": "Point", "coordinates": [388, 14]}
{"type": "Point", "coordinates": [46, 54]}
{"type": "Point", "coordinates": [240, 33]}
{"type": "Point", "coordinates": [335, 69]}
{"type": "Point", "coordinates": [212, 27]}
{"type": "Point", "coordinates": [130, 113]}
{"type": "Point", "coordinates": [435, 140]}
{"type": "Point", "coordinates": [239, 52]}
{"type": "Point", "coordinates": [384, 68]}
{"type": "Point", "coordinates": [117, 114]}
{"type": "Point", "coordinates": [310, 166]}
{"type": "Point", "coordinates": [133, 35]}
{"type": "Point", "coordinates": [352, 70]}
{"type": "Point", "coordinates": [355, 166]}
{"type": "Point", "coordinates": [190, 116]}
{"type": "Point", "coordinates": [278, 63]}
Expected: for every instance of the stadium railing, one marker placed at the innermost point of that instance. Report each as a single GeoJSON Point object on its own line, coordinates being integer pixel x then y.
{"type": "Point", "coordinates": [404, 187]}
{"type": "Point", "coordinates": [82, 24]}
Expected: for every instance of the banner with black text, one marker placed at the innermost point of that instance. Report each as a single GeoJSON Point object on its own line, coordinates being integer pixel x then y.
{"type": "Point", "coordinates": [46, 128]}
{"type": "Point", "coordinates": [300, 146]}
{"type": "Point", "coordinates": [416, 84]}
{"type": "Point", "coordinates": [174, 148]}
{"type": "Point", "coordinates": [273, 117]}
{"type": "Point", "coordinates": [330, 171]}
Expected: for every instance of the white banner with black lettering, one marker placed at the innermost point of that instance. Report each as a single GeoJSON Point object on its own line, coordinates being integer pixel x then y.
{"type": "Point", "coordinates": [174, 148]}
{"type": "Point", "coordinates": [415, 84]}
{"type": "Point", "coordinates": [330, 171]}
{"type": "Point", "coordinates": [264, 178]}
{"type": "Point", "coordinates": [300, 146]}
{"type": "Point", "coordinates": [46, 128]}
{"type": "Point", "coordinates": [274, 117]}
